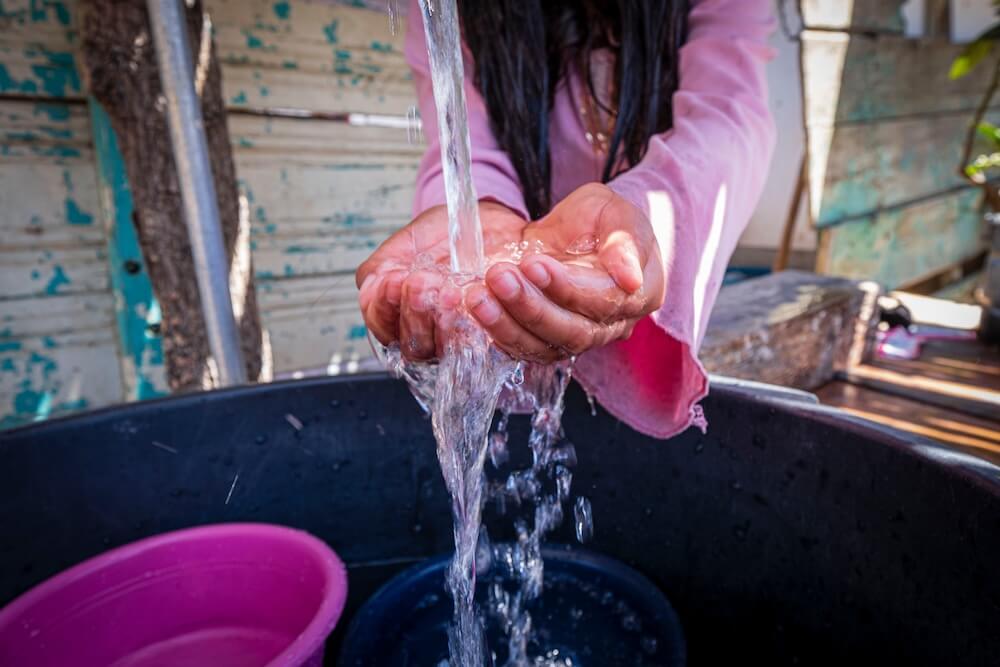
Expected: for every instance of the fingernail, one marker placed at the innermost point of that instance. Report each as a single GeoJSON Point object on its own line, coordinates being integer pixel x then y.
{"type": "Point", "coordinates": [537, 274]}
{"type": "Point", "coordinates": [487, 311]}
{"type": "Point", "coordinates": [505, 285]}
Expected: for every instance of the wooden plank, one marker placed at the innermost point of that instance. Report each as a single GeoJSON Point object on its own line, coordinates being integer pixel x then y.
{"type": "Point", "coordinates": [57, 355]}
{"type": "Point", "coordinates": [858, 169]}
{"type": "Point", "coordinates": [980, 437]}
{"type": "Point", "coordinates": [321, 195]}
{"type": "Point", "coordinates": [137, 314]}
{"type": "Point", "coordinates": [51, 241]}
{"type": "Point", "coordinates": [859, 15]}
{"type": "Point", "coordinates": [314, 322]}
{"type": "Point", "coordinates": [37, 42]}
{"type": "Point", "coordinates": [311, 55]}
{"type": "Point", "coordinates": [903, 245]}
{"type": "Point", "coordinates": [856, 79]}
{"type": "Point", "coordinates": [790, 328]}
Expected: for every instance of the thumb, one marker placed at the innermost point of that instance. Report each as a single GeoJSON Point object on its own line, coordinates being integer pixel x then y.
{"type": "Point", "coordinates": [621, 252]}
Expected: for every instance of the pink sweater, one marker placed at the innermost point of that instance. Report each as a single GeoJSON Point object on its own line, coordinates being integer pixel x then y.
{"type": "Point", "coordinates": [698, 183]}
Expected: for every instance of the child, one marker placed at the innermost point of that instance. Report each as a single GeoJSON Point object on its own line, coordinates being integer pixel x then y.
{"type": "Point", "coordinates": [629, 139]}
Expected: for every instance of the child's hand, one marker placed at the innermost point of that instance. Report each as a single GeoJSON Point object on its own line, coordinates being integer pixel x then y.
{"type": "Point", "coordinates": [600, 272]}
{"type": "Point", "coordinates": [401, 304]}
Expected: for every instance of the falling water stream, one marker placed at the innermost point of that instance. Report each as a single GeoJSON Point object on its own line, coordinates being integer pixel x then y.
{"type": "Point", "coordinates": [461, 392]}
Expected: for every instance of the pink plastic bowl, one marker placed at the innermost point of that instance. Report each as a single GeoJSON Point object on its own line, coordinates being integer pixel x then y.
{"type": "Point", "coordinates": [232, 595]}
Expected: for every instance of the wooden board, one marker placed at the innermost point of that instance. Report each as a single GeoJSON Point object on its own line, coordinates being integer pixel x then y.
{"type": "Point", "coordinates": [977, 436]}
{"type": "Point", "coordinates": [858, 169]}
{"type": "Point", "coordinates": [57, 354]}
{"type": "Point", "coordinates": [57, 327]}
{"type": "Point", "coordinates": [903, 245]}
{"type": "Point", "coordinates": [311, 55]}
{"type": "Point", "coordinates": [51, 240]}
{"type": "Point", "coordinates": [314, 323]}
{"type": "Point", "coordinates": [856, 79]}
{"type": "Point", "coordinates": [37, 42]}
{"type": "Point", "coordinates": [857, 15]}
{"type": "Point", "coordinates": [321, 195]}
{"type": "Point", "coordinates": [791, 328]}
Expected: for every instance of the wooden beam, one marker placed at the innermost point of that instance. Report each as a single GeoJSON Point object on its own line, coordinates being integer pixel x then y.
{"type": "Point", "coordinates": [791, 328]}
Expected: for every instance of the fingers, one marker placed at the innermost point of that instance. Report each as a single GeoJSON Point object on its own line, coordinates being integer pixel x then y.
{"type": "Point", "coordinates": [587, 291]}
{"type": "Point", "coordinates": [569, 332]}
{"type": "Point", "coordinates": [619, 255]}
{"type": "Point", "coordinates": [506, 332]}
{"type": "Point", "coordinates": [380, 299]}
{"type": "Point", "coordinates": [417, 314]}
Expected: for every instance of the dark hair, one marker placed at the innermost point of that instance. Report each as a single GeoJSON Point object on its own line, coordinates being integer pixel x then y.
{"type": "Point", "coordinates": [522, 48]}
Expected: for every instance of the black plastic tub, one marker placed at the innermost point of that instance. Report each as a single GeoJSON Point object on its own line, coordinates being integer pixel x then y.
{"type": "Point", "coordinates": [786, 535]}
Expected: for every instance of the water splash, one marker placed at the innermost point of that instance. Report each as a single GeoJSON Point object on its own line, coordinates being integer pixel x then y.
{"type": "Point", "coordinates": [393, 9]}
{"type": "Point", "coordinates": [461, 392]}
{"type": "Point", "coordinates": [444, 48]}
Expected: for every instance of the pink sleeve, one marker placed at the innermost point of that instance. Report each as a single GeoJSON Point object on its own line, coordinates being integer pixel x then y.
{"type": "Point", "coordinates": [492, 172]}
{"type": "Point", "coordinates": [699, 184]}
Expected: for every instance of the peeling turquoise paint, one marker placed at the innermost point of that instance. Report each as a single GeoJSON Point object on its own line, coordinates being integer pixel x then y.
{"type": "Point", "coordinates": [264, 91]}
{"type": "Point", "coordinates": [8, 365]}
{"type": "Point", "coordinates": [239, 98]}
{"type": "Point", "coordinates": [57, 113]}
{"type": "Point", "coordinates": [302, 249]}
{"type": "Point", "coordinates": [290, 64]}
{"type": "Point", "coordinates": [342, 54]}
{"type": "Point", "coordinates": [330, 31]}
{"type": "Point", "coordinates": [58, 279]}
{"type": "Point", "coordinates": [260, 214]}
{"type": "Point", "coordinates": [282, 10]}
{"type": "Point", "coordinates": [243, 142]}
{"type": "Point", "coordinates": [9, 85]}
{"type": "Point", "coordinates": [59, 76]}
{"type": "Point", "coordinates": [253, 42]}
{"type": "Point", "coordinates": [77, 216]}
{"type": "Point", "coordinates": [357, 331]}
{"type": "Point", "coordinates": [9, 345]}
{"type": "Point", "coordinates": [382, 47]}
{"type": "Point", "coordinates": [49, 342]}
{"type": "Point", "coordinates": [136, 308]}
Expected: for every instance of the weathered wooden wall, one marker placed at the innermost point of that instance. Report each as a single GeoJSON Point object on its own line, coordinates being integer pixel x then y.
{"type": "Point", "coordinates": [885, 127]}
{"type": "Point", "coordinates": [78, 324]}
{"type": "Point", "coordinates": [58, 350]}
{"type": "Point", "coordinates": [322, 192]}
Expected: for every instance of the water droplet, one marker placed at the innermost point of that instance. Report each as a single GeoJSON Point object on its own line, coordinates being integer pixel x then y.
{"type": "Point", "coordinates": [630, 623]}
{"type": "Point", "coordinates": [418, 528]}
{"type": "Point", "coordinates": [498, 449]}
{"type": "Point", "coordinates": [517, 378]}
{"type": "Point", "coordinates": [584, 520]}
{"type": "Point", "coordinates": [584, 245]}
{"type": "Point", "coordinates": [648, 645]}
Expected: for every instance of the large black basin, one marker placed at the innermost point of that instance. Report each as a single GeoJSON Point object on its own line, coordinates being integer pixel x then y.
{"type": "Point", "coordinates": [786, 535]}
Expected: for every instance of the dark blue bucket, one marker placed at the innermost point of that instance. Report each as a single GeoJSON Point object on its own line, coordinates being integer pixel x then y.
{"type": "Point", "coordinates": [594, 610]}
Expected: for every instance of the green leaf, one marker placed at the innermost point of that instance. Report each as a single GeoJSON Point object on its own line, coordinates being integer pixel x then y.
{"type": "Point", "coordinates": [990, 132]}
{"type": "Point", "coordinates": [971, 56]}
{"type": "Point", "coordinates": [974, 53]}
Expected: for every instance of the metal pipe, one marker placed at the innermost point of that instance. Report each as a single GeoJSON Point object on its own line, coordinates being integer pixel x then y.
{"type": "Point", "coordinates": [194, 173]}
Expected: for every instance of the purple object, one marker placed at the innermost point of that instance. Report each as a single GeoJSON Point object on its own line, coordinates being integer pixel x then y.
{"type": "Point", "coordinates": [228, 595]}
